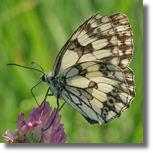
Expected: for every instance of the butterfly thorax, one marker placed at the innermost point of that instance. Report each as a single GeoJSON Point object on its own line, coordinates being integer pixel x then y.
{"type": "Point", "coordinates": [56, 83]}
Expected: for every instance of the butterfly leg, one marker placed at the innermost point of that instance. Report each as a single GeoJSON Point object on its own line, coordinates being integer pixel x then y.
{"type": "Point", "coordinates": [33, 94]}
{"type": "Point", "coordinates": [54, 115]}
{"type": "Point", "coordinates": [46, 96]}
{"type": "Point", "coordinates": [44, 102]}
{"type": "Point", "coordinates": [61, 106]}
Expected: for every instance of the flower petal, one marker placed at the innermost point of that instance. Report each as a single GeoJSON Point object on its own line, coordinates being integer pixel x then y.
{"type": "Point", "coordinates": [63, 138]}
{"type": "Point", "coordinates": [15, 133]}
{"type": "Point", "coordinates": [27, 127]}
{"type": "Point", "coordinates": [8, 133]}
{"type": "Point", "coordinates": [40, 113]}
{"type": "Point", "coordinates": [54, 125]}
{"type": "Point", "coordinates": [7, 138]}
{"type": "Point", "coordinates": [57, 134]}
{"type": "Point", "coordinates": [46, 113]}
{"type": "Point", "coordinates": [19, 121]}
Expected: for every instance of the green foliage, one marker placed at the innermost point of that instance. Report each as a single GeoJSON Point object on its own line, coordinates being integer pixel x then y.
{"type": "Point", "coordinates": [35, 30]}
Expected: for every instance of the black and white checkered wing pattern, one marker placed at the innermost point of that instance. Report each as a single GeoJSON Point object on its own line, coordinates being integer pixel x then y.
{"type": "Point", "coordinates": [94, 67]}
{"type": "Point", "coordinates": [98, 90]}
{"type": "Point", "coordinates": [99, 38]}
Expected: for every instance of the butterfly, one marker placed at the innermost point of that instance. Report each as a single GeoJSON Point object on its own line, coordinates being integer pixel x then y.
{"type": "Point", "coordinates": [91, 71]}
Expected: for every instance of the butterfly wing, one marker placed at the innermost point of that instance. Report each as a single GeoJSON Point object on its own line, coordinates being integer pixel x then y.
{"type": "Point", "coordinates": [100, 91]}
{"type": "Point", "coordinates": [94, 65]}
{"type": "Point", "coordinates": [100, 38]}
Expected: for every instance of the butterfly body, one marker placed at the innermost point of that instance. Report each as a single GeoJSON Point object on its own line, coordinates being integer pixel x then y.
{"type": "Point", "coordinates": [56, 84]}
{"type": "Point", "coordinates": [91, 71]}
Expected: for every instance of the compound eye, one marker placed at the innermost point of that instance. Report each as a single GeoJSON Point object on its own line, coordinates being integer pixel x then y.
{"type": "Point", "coordinates": [43, 78]}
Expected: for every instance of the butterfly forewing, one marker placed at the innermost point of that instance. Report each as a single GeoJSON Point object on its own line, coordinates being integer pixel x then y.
{"type": "Point", "coordinates": [99, 38]}
{"type": "Point", "coordinates": [91, 71]}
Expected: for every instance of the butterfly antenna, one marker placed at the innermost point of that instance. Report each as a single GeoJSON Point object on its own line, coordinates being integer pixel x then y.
{"type": "Point", "coordinates": [32, 69]}
{"type": "Point", "coordinates": [33, 62]}
{"type": "Point", "coordinates": [26, 67]}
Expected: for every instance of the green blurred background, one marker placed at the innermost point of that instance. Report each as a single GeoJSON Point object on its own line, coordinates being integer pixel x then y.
{"type": "Point", "coordinates": [36, 30]}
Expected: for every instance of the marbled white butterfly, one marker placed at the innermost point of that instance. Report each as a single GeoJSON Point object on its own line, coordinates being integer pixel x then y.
{"type": "Point", "coordinates": [91, 71]}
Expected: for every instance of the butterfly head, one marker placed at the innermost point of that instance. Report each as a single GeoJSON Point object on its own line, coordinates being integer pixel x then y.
{"type": "Point", "coordinates": [45, 77]}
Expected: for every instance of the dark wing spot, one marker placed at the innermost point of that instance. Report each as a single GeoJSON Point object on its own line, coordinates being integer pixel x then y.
{"type": "Point", "coordinates": [88, 49]}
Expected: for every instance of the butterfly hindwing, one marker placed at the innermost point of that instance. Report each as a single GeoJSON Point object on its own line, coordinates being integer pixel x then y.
{"type": "Point", "coordinates": [98, 90]}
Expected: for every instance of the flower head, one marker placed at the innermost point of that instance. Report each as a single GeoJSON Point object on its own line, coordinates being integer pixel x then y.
{"type": "Point", "coordinates": [32, 130]}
